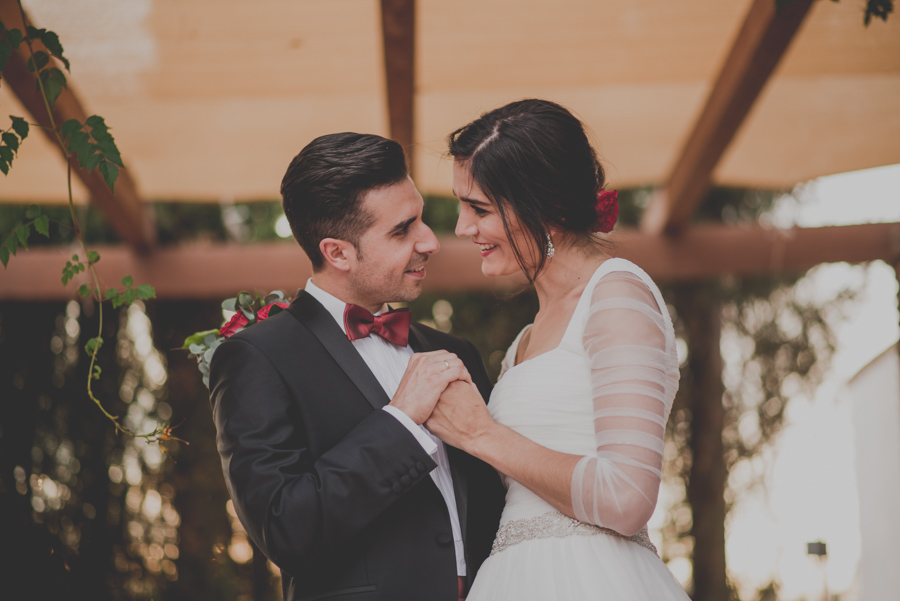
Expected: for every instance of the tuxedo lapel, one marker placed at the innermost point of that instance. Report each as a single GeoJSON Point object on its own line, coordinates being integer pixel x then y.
{"type": "Point", "coordinates": [417, 340]}
{"type": "Point", "coordinates": [314, 316]}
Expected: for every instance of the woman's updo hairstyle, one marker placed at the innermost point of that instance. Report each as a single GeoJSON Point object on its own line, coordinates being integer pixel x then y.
{"type": "Point", "coordinates": [533, 156]}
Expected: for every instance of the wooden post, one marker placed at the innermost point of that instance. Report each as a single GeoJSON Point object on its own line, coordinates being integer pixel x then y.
{"type": "Point", "coordinates": [398, 26]}
{"type": "Point", "coordinates": [700, 308]}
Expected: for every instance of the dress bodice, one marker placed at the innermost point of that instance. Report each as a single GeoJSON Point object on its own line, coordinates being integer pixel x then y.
{"type": "Point", "coordinates": [551, 398]}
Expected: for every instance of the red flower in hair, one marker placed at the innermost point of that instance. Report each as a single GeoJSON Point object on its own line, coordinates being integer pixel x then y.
{"type": "Point", "coordinates": [237, 322]}
{"type": "Point", "coordinates": [607, 209]}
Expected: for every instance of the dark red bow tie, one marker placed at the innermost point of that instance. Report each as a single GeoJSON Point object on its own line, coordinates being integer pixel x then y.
{"type": "Point", "coordinates": [393, 326]}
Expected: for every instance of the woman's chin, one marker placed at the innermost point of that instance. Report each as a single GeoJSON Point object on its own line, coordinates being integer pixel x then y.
{"type": "Point", "coordinates": [492, 270]}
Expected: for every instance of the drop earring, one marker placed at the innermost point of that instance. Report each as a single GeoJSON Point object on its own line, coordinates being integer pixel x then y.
{"type": "Point", "coordinates": [550, 249]}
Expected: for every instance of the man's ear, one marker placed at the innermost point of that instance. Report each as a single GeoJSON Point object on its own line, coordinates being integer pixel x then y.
{"type": "Point", "coordinates": [337, 253]}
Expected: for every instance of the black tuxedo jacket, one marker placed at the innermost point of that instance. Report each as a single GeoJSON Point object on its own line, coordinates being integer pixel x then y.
{"type": "Point", "coordinates": [333, 489]}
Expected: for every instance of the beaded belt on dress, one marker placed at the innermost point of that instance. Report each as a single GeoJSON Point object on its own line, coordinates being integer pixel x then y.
{"type": "Point", "coordinates": [554, 524]}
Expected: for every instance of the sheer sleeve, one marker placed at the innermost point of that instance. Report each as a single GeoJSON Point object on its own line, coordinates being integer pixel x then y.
{"type": "Point", "coordinates": [634, 375]}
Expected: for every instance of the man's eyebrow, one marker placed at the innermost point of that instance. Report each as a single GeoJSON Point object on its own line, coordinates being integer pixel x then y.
{"type": "Point", "coordinates": [403, 225]}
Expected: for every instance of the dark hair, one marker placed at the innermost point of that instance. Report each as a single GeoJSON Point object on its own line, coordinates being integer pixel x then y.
{"type": "Point", "coordinates": [324, 186]}
{"type": "Point", "coordinates": [533, 157]}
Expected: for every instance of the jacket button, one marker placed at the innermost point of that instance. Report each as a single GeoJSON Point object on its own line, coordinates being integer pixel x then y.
{"type": "Point", "coordinates": [405, 480]}
{"type": "Point", "coordinates": [444, 538]}
{"type": "Point", "coordinates": [420, 466]}
{"type": "Point", "coordinates": [397, 488]}
{"type": "Point", "coordinates": [414, 473]}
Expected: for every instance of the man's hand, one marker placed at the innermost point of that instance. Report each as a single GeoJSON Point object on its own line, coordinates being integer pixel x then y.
{"type": "Point", "coordinates": [460, 417]}
{"type": "Point", "coordinates": [426, 377]}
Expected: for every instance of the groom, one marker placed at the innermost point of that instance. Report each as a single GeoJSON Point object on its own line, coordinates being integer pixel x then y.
{"type": "Point", "coordinates": [318, 409]}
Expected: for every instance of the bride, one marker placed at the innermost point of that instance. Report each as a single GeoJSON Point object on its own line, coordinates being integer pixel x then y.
{"type": "Point", "coordinates": [576, 421]}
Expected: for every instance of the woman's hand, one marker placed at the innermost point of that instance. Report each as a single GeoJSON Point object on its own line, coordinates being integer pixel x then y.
{"type": "Point", "coordinates": [460, 418]}
{"type": "Point", "coordinates": [426, 377]}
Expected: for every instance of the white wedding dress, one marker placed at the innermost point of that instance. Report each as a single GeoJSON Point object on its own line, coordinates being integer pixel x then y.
{"type": "Point", "coordinates": [604, 393]}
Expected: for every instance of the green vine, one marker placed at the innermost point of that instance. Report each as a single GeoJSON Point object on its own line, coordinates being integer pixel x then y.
{"type": "Point", "coordinates": [94, 148]}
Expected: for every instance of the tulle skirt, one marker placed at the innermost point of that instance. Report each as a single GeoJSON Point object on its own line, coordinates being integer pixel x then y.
{"type": "Point", "coordinates": [576, 568]}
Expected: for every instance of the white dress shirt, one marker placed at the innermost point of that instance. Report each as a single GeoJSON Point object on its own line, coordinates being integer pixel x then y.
{"type": "Point", "coordinates": [388, 363]}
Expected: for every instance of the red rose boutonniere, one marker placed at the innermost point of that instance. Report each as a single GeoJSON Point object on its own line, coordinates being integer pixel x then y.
{"type": "Point", "coordinates": [248, 310]}
{"type": "Point", "coordinates": [234, 325]}
{"type": "Point", "coordinates": [269, 310]}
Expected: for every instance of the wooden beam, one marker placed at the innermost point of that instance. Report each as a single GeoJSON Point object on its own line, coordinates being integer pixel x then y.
{"type": "Point", "coordinates": [398, 27]}
{"type": "Point", "coordinates": [124, 210]}
{"type": "Point", "coordinates": [763, 39]}
{"type": "Point", "coordinates": [220, 271]}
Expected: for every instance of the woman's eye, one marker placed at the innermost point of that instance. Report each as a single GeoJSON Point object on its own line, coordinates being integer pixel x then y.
{"type": "Point", "coordinates": [479, 211]}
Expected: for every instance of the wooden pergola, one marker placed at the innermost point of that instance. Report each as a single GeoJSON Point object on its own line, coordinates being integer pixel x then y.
{"type": "Point", "coordinates": [770, 64]}
{"type": "Point", "coordinates": [210, 99]}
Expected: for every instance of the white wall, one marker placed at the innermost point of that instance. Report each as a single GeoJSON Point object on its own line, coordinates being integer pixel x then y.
{"type": "Point", "coordinates": [875, 395]}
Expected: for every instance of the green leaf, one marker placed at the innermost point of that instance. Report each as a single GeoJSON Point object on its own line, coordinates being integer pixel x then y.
{"type": "Point", "coordinates": [54, 82]}
{"type": "Point", "coordinates": [12, 243]}
{"type": "Point", "coordinates": [4, 256]}
{"type": "Point", "coordinates": [84, 290]}
{"type": "Point", "coordinates": [5, 54]}
{"type": "Point", "coordinates": [20, 126]}
{"type": "Point", "coordinates": [117, 301]}
{"type": "Point", "coordinates": [130, 295]}
{"type": "Point", "coordinates": [110, 152]}
{"type": "Point", "coordinates": [111, 293]}
{"type": "Point", "coordinates": [244, 300]}
{"type": "Point", "coordinates": [70, 127]}
{"type": "Point", "coordinates": [22, 232]}
{"type": "Point", "coordinates": [96, 374]}
{"type": "Point", "coordinates": [96, 122]}
{"type": "Point", "coordinates": [110, 173]}
{"type": "Point", "coordinates": [78, 140]}
{"type": "Point", "coordinates": [34, 33]}
{"type": "Point", "coordinates": [42, 225]}
{"type": "Point", "coordinates": [93, 257]}
{"type": "Point", "coordinates": [197, 338]}
{"type": "Point", "coordinates": [10, 140]}
{"type": "Point", "coordinates": [84, 153]}
{"type": "Point", "coordinates": [93, 344]}
{"type": "Point", "coordinates": [146, 291]}
{"type": "Point", "coordinates": [92, 162]}
{"type": "Point", "coordinates": [32, 211]}
{"type": "Point", "coordinates": [38, 61]}
{"type": "Point", "coordinates": [128, 281]}
{"type": "Point", "coordinates": [229, 304]}
{"type": "Point", "coordinates": [14, 37]}
{"type": "Point", "coordinates": [51, 41]}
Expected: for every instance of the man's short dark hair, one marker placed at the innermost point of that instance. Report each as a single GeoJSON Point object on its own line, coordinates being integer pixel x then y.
{"type": "Point", "coordinates": [324, 186]}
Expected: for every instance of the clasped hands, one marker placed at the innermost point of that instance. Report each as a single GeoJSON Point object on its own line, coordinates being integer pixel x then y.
{"type": "Point", "coordinates": [438, 391]}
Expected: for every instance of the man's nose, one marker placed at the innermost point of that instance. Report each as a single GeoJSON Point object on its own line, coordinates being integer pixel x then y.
{"type": "Point", "coordinates": [428, 243]}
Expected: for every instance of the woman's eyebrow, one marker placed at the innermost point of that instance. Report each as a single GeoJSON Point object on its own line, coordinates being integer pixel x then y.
{"type": "Point", "coordinates": [475, 203]}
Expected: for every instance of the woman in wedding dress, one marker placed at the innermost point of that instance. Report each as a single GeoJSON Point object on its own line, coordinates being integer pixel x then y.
{"type": "Point", "coordinates": [576, 421]}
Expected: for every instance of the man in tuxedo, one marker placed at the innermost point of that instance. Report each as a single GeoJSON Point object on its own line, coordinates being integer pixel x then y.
{"type": "Point", "coordinates": [318, 409]}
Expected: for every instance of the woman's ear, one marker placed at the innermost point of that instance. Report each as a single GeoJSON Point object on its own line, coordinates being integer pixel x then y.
{"type": "Point", "coordinates": [338, 253]}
